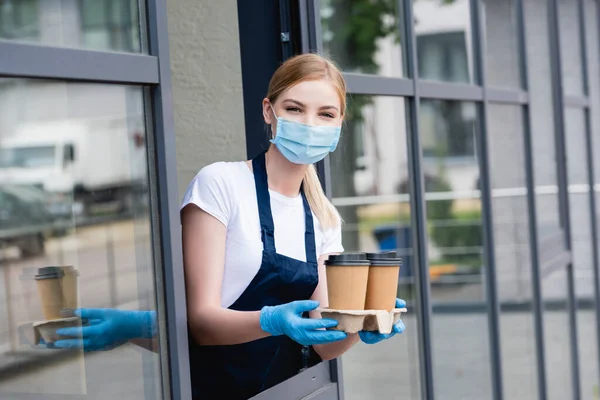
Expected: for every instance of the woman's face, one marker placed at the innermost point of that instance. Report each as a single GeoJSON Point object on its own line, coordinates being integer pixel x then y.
{"type": "Point", "coordinates": [310, 102]}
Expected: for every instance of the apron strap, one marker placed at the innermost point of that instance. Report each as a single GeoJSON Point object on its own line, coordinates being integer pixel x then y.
{"type": "Point", "coordinates": [309, 234]}
{"type": "Point", "coordinates": [267, 227]}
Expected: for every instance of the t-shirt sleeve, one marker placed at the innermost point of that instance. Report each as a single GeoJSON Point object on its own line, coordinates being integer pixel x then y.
{"type": "Point", "coordinates": [210, 192]}
{"type": "Point", "coordinates": [332, 240]}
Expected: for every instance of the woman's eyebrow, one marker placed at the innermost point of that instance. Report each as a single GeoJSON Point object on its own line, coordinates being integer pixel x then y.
{"type": "Point", "coordinates": [300, 104]}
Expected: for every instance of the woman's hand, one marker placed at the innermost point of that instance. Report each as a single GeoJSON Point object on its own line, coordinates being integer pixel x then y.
{"type": "Point", "coordinates": [286, 319]}
{"type": "Point", "coordinates": [376, 337]}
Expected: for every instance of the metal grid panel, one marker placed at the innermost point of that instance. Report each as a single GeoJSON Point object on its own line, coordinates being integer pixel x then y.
{"type": "Point", "coordinates": [560, 144]}
{"type": "Point", "coordinates": [480, 93]}
{"type": "Point", "coordinates": [418, 211]}
{"type": "Point", "coordinates": [486, 201]}
{"type": "Point", "coordinates": [590, 162]}
{"type": "Point", "coordinates": [383, 86]}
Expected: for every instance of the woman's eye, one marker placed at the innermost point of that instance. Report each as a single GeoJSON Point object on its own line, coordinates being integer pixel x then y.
{"type": "Point", "coordinates": [293, 109]}
{"type": "Point", "coordinates": [328, 115]}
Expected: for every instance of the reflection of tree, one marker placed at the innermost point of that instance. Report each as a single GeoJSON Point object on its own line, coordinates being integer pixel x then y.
{"type": "Point", "coordinates": [351, 30]}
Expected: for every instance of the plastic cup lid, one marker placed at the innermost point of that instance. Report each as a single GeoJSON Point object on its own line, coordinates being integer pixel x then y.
{"type": "Point", "coordinates": [384, 258]}
{"type": "Point", "coordinates": [348, 259]}
{"type": "Point", "coordinates": [49, 273]}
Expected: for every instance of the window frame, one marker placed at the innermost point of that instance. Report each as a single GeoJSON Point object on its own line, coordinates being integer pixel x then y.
{"type": "Point", "coordinates": [152, 72]}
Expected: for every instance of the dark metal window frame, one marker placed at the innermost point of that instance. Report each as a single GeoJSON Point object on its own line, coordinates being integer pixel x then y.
{"type": "Point", "coordinates": [23, 60]}
{"type": "Point", "coordinates": [414, 89]}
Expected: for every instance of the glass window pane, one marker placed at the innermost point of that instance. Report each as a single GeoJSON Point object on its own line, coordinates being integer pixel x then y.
{"type": "Point", "coordinates": [570, 47]}
{"type": "Point", "coordinates": [513, 258]}
{"type": "Point", "coordinates": [579, 208]}
{"type": "Point", "coordinates": [557, 341]}
{"type": "Point", "coordinates": [93, 12]}
{"type": "Point", "coordinates": [89, 24]}
{"type": "Point", "coordinates": [593, 47]}
{"type": "Point", "coordinates": [554, 282]}
{"type": "Point", "coordinates": [371, 160]}
{"type": "Point", "coordinates": [74, 192]}
{"type": "Point", "coordinates": [18, 19]}
{"type": "Point", "coordinates": [502, 52]}
{"type": "Point", "coordinates": [542, 117]}
{"type": "Point", "coordinates": [587, 325]}
{"type": "Point", "coordinates": [444, 47]}
{"type": "Point", "coordinates": [363, 36]}
{"type": "Point", "coordinates": [460, 332]}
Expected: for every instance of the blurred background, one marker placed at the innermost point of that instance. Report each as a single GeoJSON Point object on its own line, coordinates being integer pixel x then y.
{"type": "Point", "coordinates": [78, 185]}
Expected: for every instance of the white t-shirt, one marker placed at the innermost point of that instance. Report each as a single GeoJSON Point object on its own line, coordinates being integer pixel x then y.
{"type": "Point", "coordinates": [226, 191]}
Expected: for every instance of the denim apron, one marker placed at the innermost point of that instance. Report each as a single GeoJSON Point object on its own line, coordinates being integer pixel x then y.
{"type": "Point", "coordinates": [243, 370]}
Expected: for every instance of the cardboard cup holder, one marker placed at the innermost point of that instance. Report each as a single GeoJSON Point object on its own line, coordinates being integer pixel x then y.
{"type": "Point", "coordinates": [352, 321]}
{"type": "Point", "coordinates": [47, 329]}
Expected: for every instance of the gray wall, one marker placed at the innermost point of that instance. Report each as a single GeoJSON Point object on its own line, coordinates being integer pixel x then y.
{"type": "Point", "coordinates": [207, 84]}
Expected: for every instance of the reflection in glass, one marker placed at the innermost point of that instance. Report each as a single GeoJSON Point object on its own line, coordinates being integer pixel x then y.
{"type": "Point", "coordinates": [502, 53]}
{"type": "Point", "coordinates": [557, 345]}
{"type": "Point", "coordinates": [460, 338]}
{"type": "Point", "coordinates": [371, 160]}
{"type": "Point", "coordinates": [363, 36]}
{"type": "Point", "coordinates": [579, 211]}
{"type": "Point", "coordinates": [570, 47]}
{"type": "Point", "coordinates": [554, 282]}
{"type": "Point", "coordinates": [92, 24]}
{"type": "Point", "coordinates": [444, 48]}
{"type": "Point", "coordinates": [542, 117]}
{"type": "Point", "coordinates": [593, 47]}
{"type": "Point", "coordinates": [74, 192]}
{"type": "Point", "coordinates": [512, 255]}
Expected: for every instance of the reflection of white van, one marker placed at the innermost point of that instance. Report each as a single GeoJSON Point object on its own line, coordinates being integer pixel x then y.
{"type": "Point", "coordinates": [87, 161]}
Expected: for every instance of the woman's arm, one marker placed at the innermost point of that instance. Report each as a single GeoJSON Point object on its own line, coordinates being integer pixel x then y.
{"type": "Point", "coordinates": [331, 350]}
{"type": "Point", "coordinates": [204, 239]}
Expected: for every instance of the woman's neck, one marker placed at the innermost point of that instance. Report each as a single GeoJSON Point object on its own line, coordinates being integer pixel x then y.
{"type": "Point", "coordinates": [284, 177]}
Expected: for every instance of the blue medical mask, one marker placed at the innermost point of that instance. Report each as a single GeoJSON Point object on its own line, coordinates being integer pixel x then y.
{"type": "Point", "coordinates": [305, 144]}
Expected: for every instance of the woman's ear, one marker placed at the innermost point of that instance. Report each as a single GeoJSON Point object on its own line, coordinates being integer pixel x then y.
{"type": "Point", "coordinates": [267, 111]}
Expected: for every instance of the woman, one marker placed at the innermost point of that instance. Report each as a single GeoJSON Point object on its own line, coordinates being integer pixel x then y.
{"type": "Point", "coordinates": [255, 237]}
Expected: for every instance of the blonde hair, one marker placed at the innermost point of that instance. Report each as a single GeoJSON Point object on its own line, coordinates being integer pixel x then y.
{"type": "Point", "coordinates": [300, 68]}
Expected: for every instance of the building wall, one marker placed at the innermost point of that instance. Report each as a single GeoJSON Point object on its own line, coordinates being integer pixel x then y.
{"type": "Point", "coordinates": [207, 84]}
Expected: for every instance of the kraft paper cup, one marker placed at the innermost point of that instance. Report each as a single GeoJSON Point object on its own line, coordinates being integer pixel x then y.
{"type": "Point", "coordinates": [70, 288]}
{"type": "Point", "coordinates": [347, 276]}
{"type": "Point", "coordinates": [382, 284]}
{"type": "Point", "coordinates": [50, 290]}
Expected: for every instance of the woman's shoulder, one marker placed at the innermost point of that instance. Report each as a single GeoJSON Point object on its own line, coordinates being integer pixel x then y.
{"type": "Point", "coordinates": [215, 188]}
{"type": "Point", "coordinates": [222, 171]}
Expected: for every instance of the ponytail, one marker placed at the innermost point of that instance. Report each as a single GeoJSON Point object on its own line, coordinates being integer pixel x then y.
{"type": "Point", "coordinates": [325, 212]}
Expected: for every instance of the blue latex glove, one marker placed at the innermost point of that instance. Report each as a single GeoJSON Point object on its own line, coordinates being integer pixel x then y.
{"type": "Point", "coordinates": [376, 337]}
{"type": "Point", "coordinates": [286, 319]}
{"type": "Point", "coordinates": [107, 329]}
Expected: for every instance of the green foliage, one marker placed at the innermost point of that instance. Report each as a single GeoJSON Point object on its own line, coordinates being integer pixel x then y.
{"type": "Point", "coordinates": [355, 27]}
{"type": "Point", "coordinates": [438, 209]}
{"type": "Point", "coordinates": [451, 229]}
{"type": "Point", "coordinates": [463, 229]}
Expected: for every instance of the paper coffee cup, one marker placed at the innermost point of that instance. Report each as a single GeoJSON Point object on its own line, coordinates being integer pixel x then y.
{"type": "Point", "coordinates": [69, 287]}
{"type": "Point", "coordinates": [382, 284]}
{"type": "Point", "coordinates": [347, 276]}
{"type": "Point", "coordinates": [50, 290]}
